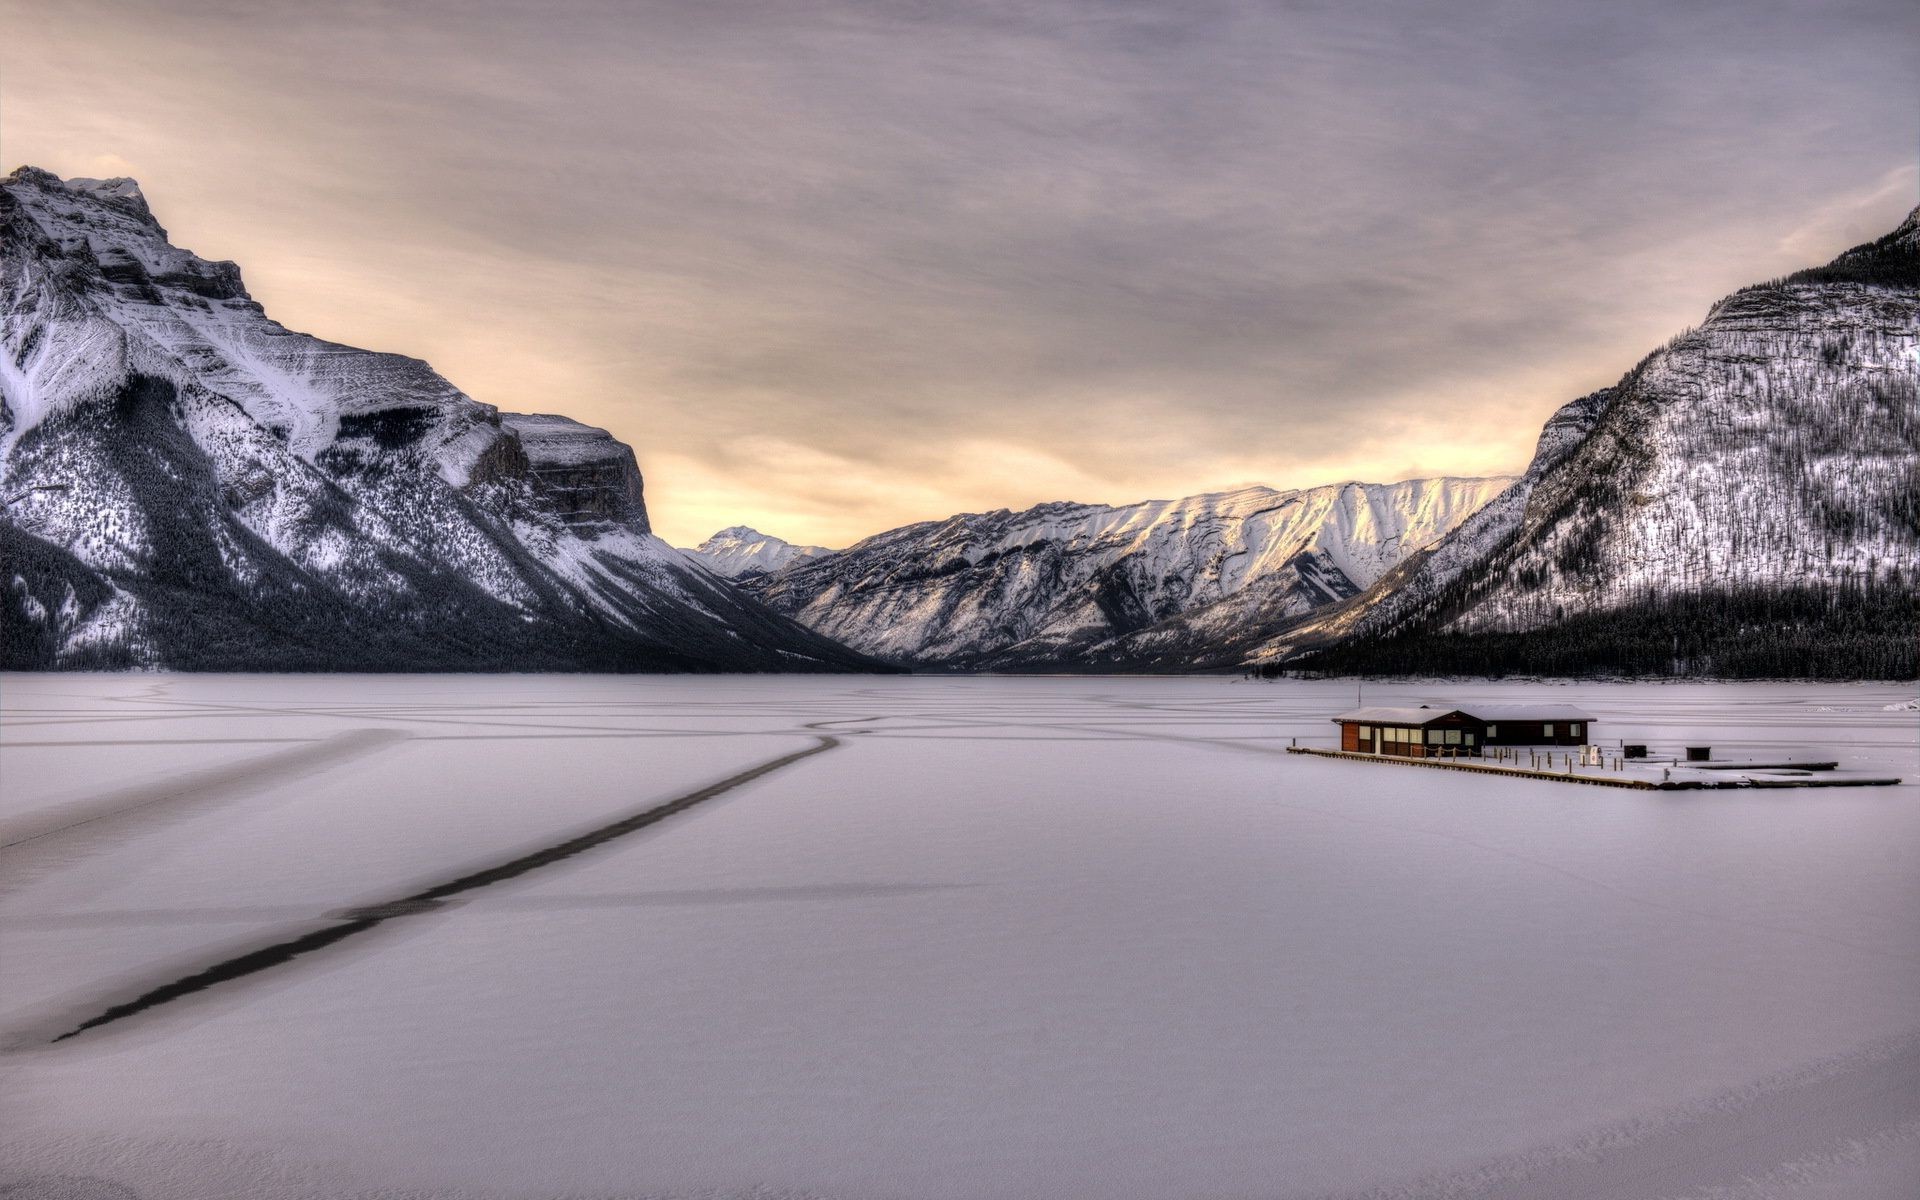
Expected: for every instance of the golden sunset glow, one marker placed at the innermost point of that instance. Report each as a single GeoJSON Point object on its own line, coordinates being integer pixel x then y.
{"type": "Point", "coordinates": [911, 265]}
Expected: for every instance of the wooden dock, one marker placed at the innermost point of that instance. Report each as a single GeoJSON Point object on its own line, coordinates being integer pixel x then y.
{"type": "Point", "coordinates": [1723, 764]}
{"type": "Point", "coordinates": [1487, 768]}
{"type": "Point", "coordinates": [1483, 767]}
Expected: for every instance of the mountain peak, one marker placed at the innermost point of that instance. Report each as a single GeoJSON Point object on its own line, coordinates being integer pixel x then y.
{"type": "Point", "coordinates": [210, 490]}
{"type": "Point", "coordinates": [741, 550]}
{"type": "Point", "coordinates": [1889, 261]}
{"type": "Point", "coordinates": [1644, 539]}
{"type": "Point", "coordinates": [119, 193]}
{"type": "Point", "coordinates": [119, 189]}
{"type": "Point", "coordinates": [32, 175]}
{"type": "Point", "coordinates": [1908, 233]}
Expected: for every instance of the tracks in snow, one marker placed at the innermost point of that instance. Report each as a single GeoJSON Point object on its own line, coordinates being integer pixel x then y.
{"type": "Point", "coordinates": [360, 920]}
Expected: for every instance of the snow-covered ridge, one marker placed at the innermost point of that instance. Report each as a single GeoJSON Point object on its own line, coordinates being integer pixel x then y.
{"type": "Point", "coordinates": [1065, 583]}
{"type": "Point", "coordinates": [739, 551]}
{"type": "Point", "coordinates": [230, 487]}
{"type": "Point", "coordinates": [1770, 451]}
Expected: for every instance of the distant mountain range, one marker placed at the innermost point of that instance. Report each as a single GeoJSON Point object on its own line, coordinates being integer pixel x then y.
{"type": "Point", "coordinates": [1163, 584]}
{"type": "Point", "coordinates": [191, 485]}
{"type": "Point", "coordinates": [1744, 502]}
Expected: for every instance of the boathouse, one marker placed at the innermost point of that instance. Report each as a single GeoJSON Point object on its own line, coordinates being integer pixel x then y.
{"type": "Point", "coordinates": [1535, 724]}
{"type": "Point", "coordinates": [1422, 732]}
{"type": "Point", "coordinates": [1428, 732]}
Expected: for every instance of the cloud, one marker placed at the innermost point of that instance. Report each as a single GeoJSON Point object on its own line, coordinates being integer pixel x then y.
{"type": "Point", "coordinates": [829, 266]}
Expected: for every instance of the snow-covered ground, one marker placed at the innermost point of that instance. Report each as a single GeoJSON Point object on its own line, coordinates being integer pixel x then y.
{"type": "Point", "coordinates": [996, 938]}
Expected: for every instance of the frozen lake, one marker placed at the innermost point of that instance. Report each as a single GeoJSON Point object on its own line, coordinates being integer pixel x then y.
{"type": "Point", "coordinates": [966, 939]}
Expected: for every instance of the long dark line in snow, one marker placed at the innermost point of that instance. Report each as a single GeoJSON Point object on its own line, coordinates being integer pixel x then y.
{"type": "Point", "coordinates": [198, 788]}
{"type": "Point", "coordinates": [361, 920]}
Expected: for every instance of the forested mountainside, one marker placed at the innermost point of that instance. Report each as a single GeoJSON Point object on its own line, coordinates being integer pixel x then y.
{"type": "Point", "coordinates": [738, 552]}
{"type": "Point", "coordinates": [1158, 585]}
{"type": "Point", "coordinates": [1744, 502]}
{"type": "Point", "coordinates": [191, 485]}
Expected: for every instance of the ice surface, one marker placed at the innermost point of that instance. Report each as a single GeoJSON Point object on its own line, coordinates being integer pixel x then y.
{"type": "Point", "coordinates": [1007, 938]}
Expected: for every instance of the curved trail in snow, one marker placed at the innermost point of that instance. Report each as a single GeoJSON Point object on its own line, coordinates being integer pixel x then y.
{"type": "Point", "coordinates": [348, 923]}
{"type": "Point", "coordinates": [43, 842]}
{"type": "Point", "coordinates": [193, 789]}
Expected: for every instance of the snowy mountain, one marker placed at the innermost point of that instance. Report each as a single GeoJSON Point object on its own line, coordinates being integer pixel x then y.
{"type": "Point", "coordinates": [193, 485]}
{"type": "Point", "coordinates": [1163, 583]}
{"type": "Point", "coordinates": [738, 552]}
{"type": "Point", "coordinates": [1742, 502]}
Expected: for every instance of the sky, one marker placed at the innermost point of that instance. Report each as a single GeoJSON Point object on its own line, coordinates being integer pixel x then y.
{"type": "Point", "coordinates": [834, 267]}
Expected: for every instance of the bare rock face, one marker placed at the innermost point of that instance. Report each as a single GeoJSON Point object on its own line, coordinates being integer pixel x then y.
{"type": "Point", "coordinates": [201, 487]}
{"type": "Point", "coordinates": [589, 479]}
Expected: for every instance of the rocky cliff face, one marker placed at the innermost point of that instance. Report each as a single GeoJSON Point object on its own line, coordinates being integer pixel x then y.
{"type": "Point", "coordinates": [196, 486]}
{"type": "Point", "coordinates": [1743, 501]}
{"type": "Point", "coordinates": [591, 481]}
{"type": "Point", "coordinates": [1160, 584]}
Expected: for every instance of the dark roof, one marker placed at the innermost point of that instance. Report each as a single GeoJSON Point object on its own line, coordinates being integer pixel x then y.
{"type": "Point", "coordinates": [1531, 712]}
{"type": "Point", "coordinates": [1426, 714]}
{"type": "Point", "coordinates": [1400, 716]}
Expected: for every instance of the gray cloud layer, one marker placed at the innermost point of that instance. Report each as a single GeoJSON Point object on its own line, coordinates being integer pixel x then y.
{"type": "Point", "coordinates": [835, 266]}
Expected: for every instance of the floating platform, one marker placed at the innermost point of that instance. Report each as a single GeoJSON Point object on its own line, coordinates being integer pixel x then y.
{"type": "Point", "coordinates": [1763, 779]}
{"type": "Point", "coordinates": [1794, 775]}
{"type": "Point", "coordinates": [1727, 764]}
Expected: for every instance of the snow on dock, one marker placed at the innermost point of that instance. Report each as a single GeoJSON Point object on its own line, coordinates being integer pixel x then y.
{"type": "Point", "coordinates": [1609, 771]}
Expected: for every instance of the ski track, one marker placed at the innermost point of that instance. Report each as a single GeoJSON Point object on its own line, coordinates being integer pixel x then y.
{"type": "Point", "coordinates": [432, 899]}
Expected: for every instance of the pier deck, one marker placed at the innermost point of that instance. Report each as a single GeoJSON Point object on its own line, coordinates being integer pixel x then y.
{"type": "Point", "coordinates": [1717, 776]}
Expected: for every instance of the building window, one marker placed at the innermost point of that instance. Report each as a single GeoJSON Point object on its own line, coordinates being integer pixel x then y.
{"type": "Point", "coordinates": [1493, 731]}
{"type": "Point", "coordinates": [1366, 733]}
{"type": "Point", "coordinates": [1468, 738]}
{"type": "Point", "coordinates": [1435, 737]}
{"type": "Point", "coordinates": [1546, 731]}
{"type": "Point", "coordinates": [1575, 729]}
{"type": "Point", "coordinates": [1453, 737]}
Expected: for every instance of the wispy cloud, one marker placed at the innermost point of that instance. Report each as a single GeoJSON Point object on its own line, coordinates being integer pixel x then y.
{"type": "Point", "coordinates": [836, 266]}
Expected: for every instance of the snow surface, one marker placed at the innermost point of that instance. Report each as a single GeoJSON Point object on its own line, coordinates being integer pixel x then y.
{"type": "Point", "coordinates": [1007, 938]}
